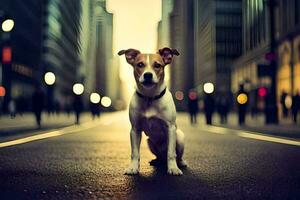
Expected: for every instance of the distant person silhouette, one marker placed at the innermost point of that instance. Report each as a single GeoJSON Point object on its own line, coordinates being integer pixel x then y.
{"type": "Point", "coordinates": [38, 99]}
{"type": "Point", "coordinates": [78, 107]}
{"type": "Point", "coordinates": [193, 106]}
{"type": "Point", "coordinates": [223, 106]}
{"type": "Point", "coordinates": [12, 108]}
{"type": "Point", "coordinates": [242, 108]}
{"type": "Point", "coordinates": [95, 110]}
{"type": "Point", "coordinates": [295, 106]}
{"type": "Point", "coordinates": [283, 104]}
{"type": "Point", "coordinates": [209, 107]}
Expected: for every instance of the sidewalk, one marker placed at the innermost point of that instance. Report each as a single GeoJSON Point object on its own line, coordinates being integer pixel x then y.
{"type": "Point", "coordinates": [26, 126]}
{"type": "Point", "coordinates": [286, 128]}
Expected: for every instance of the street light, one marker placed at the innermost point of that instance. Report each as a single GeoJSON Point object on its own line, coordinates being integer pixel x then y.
{"type": "Point", "coordinates": [106, 101]}
{"type": "Point", "coordinates": [8, 25]}
{"type": "Point", "coordinates": [208, 88]}
{"type": "Point", "coordinates": [49, 78]}
{"type": "Point", "coordinates": [95, 98]}
{"type": "Point", "coordinates": [78, 88]}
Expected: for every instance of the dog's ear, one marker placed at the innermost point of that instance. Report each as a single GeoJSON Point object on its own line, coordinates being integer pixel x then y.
{"type": "Point", "coordinates": [130, 54]}
{"type": "Point", "coordinates": [167, 54]}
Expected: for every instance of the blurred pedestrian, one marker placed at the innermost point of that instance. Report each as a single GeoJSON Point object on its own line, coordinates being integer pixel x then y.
{"type": "Point", "coordinates": [78, 107]}
{"type": "Point", "coordinates": [12, 108]}
{"type": "Point", "coordinates": [209, 107]}
{"type": "Point", "coordinates": [295, 106]}
{"type": "Point", "coordinates": [283, 104]}
{"type": "Point", "coordinates": [95, 110]}
{"type": "Point", "coordinates": [57, 107]}
{"type": "Point", "coordinates": [38, 100]}
{"type": "Point", "coordinates": [193, 106]}
{"type": "Point", "coordinates": [21, 105]}
{"type": "Point", "coordinates": [253, 103]}
{"type": "Point", "coordinates": [242, 100]}
{"type": "Point", "coordinates": [223, 107]}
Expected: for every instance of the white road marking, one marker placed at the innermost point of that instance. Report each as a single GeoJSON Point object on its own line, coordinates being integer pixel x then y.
{"type": "Point", "coordinates": [251, 135]}
{"type": "Point", "coordinates": [63, 131]}
{"type": "Point", "coordinates": [106, 120]}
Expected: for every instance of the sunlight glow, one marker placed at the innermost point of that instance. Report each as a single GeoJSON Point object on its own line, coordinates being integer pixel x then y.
{"type": "Point", "coordinates": [135, 26]}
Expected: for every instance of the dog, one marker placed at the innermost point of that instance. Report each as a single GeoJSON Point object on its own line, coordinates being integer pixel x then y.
{"type": "Point", "coordinates": [152, 111]}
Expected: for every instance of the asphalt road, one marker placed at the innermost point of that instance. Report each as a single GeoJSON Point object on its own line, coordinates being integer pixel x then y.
{"type": "Point", "coordinates": [88, 161]}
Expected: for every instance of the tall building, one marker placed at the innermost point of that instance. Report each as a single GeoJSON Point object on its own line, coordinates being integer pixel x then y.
{"type": "Point", "coordinates": [217, 41]}
{"type": "Point", "coordinates": [288, 43]}
{"type": "Point", "coordinates": [22, 48]}
{"type": "Point", "coordinates": [181, 38]}
{"type": "Point", "coordinates": [61, 48]}
{"type": "Point", "coordinates": [97, 61]}
{"type": "Point", "coordinates": [164, 34]}
{"type": "Point", "coordinates": [256, 44]}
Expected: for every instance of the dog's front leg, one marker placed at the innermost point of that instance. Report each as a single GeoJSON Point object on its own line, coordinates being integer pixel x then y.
{"type": "Point", "coordinates": [135, 140]}
{"type": "Point", "coordinates": [172, 164]}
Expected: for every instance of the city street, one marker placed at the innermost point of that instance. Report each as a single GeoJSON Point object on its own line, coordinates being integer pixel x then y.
{"type": "Point", "coordinates": [87, 162]}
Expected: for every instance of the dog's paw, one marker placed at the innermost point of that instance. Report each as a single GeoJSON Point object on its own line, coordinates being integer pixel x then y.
{"type": "Point", "coordinates": [175, 171]}
{"type": "Point", "coordinates": [182, 164]}
{"type": "Point", "coordinates": [131, 170]}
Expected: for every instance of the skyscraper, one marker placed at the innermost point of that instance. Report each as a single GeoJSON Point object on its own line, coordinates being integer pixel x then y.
{"type": "Point", "coordinates": [256, 43]}
{"type": "Point", "coordinates": [217, 40]}
{"type": "Point", "coordinates": [61, 47]}
{"type": "Point", "coordinates": [21, 71]}
{"type": "Point", "coordinates": [182, 39]}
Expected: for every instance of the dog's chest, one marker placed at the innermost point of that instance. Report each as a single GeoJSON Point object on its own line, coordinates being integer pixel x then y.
{"type": "Point", "coordinates": [153, 125]}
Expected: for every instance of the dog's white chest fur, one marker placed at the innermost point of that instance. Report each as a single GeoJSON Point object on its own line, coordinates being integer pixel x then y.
{"type": "Point", "coordinates": [151, 112]}
{"type": "Point", "coordinates": [153, 126]}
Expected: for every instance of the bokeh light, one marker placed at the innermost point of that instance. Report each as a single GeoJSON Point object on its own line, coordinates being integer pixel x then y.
{"type": "Point", "coordinates": [242, 98]}
{"type": "Point", "coordinates": [2, 91]}
{"type": "Point", "coordinates": [95, 98]}
{"type": "Point", "coordinates": [192, 95]}
{"type": "Point", "coordinates": [8, 25]}
{"type": "Point", "coordinates": [78, 88]}
{"type": "Point", "coordinates": [179, 95]}
{"type": "Point", "coordinates": [208, 88]}
{"type": "Point", "coordinates": [106, 101]}
{"type": "Point", "coordinates": [262, 92]}
{"type": "Point", "coordinates": [49, 78]}
{"type": "Point", "coordinates": [288, 101]}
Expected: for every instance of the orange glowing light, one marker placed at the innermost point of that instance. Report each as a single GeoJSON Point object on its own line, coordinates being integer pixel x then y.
{"type": "Point", "coordinates": [2, 91]}
{"type": "Point", "coordinates": [179, 95]}
{"type": "Point", "coordinates": [6, 55]}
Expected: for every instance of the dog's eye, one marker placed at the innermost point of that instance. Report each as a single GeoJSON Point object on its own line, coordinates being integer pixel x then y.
{"type": "Point", "coordinates": [140, 65]}
{"type": "Point", "coordinates": [157, 65]}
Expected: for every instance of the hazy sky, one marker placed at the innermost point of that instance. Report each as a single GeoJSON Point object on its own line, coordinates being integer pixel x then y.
{"type": "Point", "coordinates": [135, 26]}
{"type": "Point", "coordinates": [135, 23]}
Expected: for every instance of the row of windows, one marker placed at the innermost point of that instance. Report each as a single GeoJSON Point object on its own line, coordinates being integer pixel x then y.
{"type": "Point", "coordinates": [227, 48]}
{"type": "Point", "coordinates": [228, 20]}
{"type": "Point", "coordinates": [228, 35]}
{"type": "Point", "coordinates": [228, 5]}
{"type": "Point", "coordinates": [288, 16]}
{"type": "Point", "coordinates": [254, 28]}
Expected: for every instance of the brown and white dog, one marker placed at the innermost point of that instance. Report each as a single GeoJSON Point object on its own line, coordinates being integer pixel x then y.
{"type": "Point", "coordinates": [152, 110]}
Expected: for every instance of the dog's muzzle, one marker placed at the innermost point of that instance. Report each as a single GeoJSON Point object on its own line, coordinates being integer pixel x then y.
{"type": "Point", "coordinates": [148, 80]}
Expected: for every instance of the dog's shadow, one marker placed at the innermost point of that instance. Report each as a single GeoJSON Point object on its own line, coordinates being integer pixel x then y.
{"type": "Point", "coordinates": [159, 185]}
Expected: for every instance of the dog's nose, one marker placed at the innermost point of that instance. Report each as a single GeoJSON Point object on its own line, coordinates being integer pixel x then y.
{"type": "Point", "coordinates": [148, 76]}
